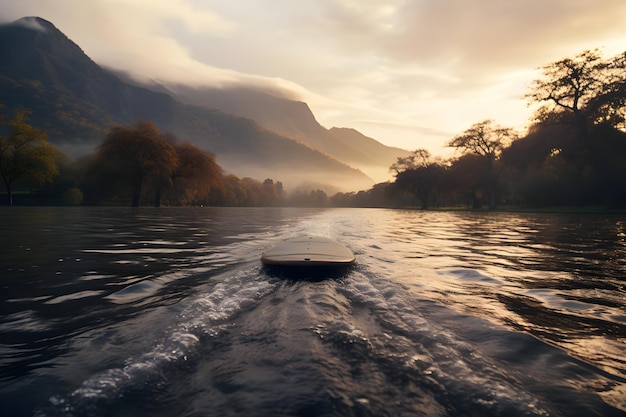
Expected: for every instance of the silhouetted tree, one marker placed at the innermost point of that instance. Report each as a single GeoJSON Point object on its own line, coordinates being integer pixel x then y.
{"type": "Point", "coordinates": [412, 174]}
{"type": "Point", "coordinates": [608, 106]}
{"type": "Point", "coordinates": [319, 198]}
{"type": "Point", "coordinates": [342, 199]}
{"type": "Point", "coordinates": [468, 175]}
{"type": "Point", "coordinates": [25, 154]}
{"type": "Point", "coordinates": [485, 140]}
{"type": "Point", "coordinates": [569, 84]}
{"type": "Point", "coordinates": [577, 166]}
{"type": "Point", "coordinates": [525, 161]}
{"type": "Point", "coordinates": [609, 156]}
{"type": "Point", "coordinates": [422, 182]}
{"type": "Point", "coordinates": [417, 158]}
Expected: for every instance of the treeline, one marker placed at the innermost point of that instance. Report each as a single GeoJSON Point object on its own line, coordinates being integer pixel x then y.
{"type": "Point", "coordinates": [134, 165]}
{"type": "Point", "coordinates": [574, 153]}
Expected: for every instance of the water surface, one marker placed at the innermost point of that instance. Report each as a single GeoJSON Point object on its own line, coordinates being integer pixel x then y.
{"type": "Point", "coordinates": [168, 312]}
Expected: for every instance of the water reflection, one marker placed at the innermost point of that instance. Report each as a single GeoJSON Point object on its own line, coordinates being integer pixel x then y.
{"type": "Point", "coordinates": [558, 277]}
{"type": "Point", "coordinates": [75, 279]}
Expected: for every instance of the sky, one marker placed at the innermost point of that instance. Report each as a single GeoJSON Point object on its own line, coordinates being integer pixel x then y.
{"type": "Point", "coordinates": [408, 73]}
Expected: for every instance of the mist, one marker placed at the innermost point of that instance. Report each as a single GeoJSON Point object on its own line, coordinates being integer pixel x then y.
{"type": "Point", "coordinates": [292, 179]}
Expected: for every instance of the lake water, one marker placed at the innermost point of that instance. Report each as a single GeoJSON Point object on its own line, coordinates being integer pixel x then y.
{"type": "Point", "coordinates": [169, 312]}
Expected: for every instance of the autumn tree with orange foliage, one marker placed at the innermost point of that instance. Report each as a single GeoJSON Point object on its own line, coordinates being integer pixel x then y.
{"type": "Point", "coordinates": [195, 176]}
{"type": "Point", "coordinates": [135, 158]}
{"type": "Point", "coordinates": [141, 162]}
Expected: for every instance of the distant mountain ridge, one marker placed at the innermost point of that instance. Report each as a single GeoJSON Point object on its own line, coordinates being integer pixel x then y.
{"type": "Point", "coordinates": [76, 101]}
{"type": "Point", "coordinates": [294, 119]}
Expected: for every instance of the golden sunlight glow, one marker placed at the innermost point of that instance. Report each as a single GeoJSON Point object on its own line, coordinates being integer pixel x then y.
{"type": "Point", "coordinates": [409, 74]}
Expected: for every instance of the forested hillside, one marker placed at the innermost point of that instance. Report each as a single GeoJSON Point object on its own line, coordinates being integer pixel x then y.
{"type": "Point", "coordinates": [76, 102]}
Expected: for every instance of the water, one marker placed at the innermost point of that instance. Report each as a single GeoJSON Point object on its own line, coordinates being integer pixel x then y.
{"type": "Point", "coordinates": [168, 312]}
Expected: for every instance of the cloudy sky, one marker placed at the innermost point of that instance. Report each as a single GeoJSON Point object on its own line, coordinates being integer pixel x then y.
{"type": "Point", "coordinates": [409, 73]}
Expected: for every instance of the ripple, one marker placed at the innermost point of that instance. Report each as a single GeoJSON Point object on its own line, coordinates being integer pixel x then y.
{"type": "Point", "coordinates": [74, 296]}
{"type": "Point", "coordinates": [470, 275]}
{"type": "Point", "coordinates": [135, 292]}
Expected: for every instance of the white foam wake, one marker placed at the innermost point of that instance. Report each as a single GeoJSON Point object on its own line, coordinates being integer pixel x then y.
{"type": "Point", "coordinates": [204, 316]}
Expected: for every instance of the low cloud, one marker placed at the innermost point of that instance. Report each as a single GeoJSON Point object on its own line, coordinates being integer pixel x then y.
{"type": "Point", "coordinates": [435, 66]}
{"type": "Point", "coordinates": [31, 22]}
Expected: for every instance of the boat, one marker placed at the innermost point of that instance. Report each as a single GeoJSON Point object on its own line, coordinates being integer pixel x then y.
{"type": "Point", "coordinates": [309, 251]}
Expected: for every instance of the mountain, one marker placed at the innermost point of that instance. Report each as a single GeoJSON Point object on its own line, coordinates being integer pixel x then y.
{"type": "Point", "coordinates": [77, 101]}
{"type": "Point", "coordinates": [379, 157]}
{"type": "Point", "coordinates": [69, 94]}
{"type": "Point", "coordinates": [294, 119]}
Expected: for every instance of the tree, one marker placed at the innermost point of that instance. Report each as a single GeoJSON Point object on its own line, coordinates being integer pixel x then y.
{"type": "Point", "coordinates": [280, 191]}
{"type": "Point", "coordinates": [343, 199]}
{"type": "Point", "coordinates": [569, 84]}
{"type": "Point", "coordinates": [318, 198]}
{"type": "Point", "coordinates": [270, 193]}
{"type": "Point", "coordinates": [468, 174]}
{"type": "Point", "coordinates": [589, 94]}
{"type": "Point", "coordinates": [608, 107]}
{"type": "Point", "coordinates": [25, 154]}
{"type": "Point", "coordinates": [485, 140]}
{"type": "Point", "coordinates": [417, 158]}
{"type": "Point", "coordinates": [195, 175]}
{"type": "Point", "coordinates": [418, 175]}
{"type": "Point", "coordinates": [254, 192]}
{"type": "Point", "coordinates": [423, 182]}
{"type": "Point", "coordinates": [138, 157]}
{"type": "Point", "coordinates": [234, 191]}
